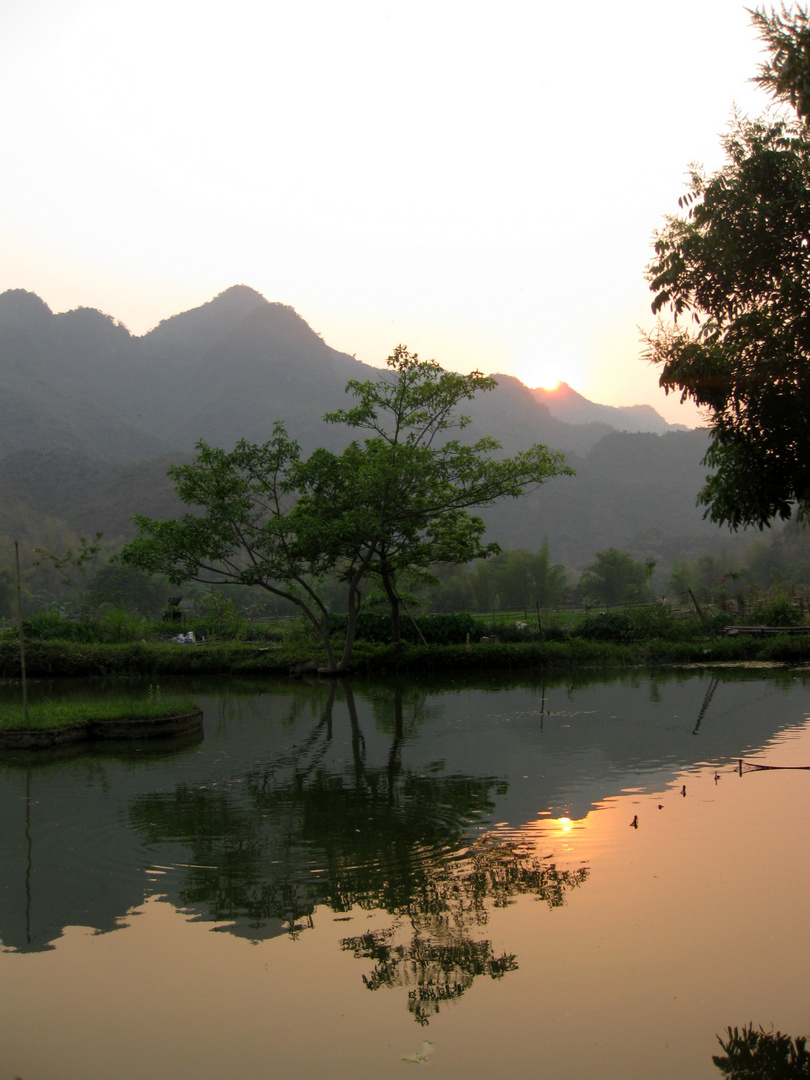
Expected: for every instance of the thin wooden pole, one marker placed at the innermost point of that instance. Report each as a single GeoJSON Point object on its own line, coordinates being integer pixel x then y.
{"type": "Point", "coordinates": [703, 618]}
{"type": "Point", "coordinates": [22, 637]}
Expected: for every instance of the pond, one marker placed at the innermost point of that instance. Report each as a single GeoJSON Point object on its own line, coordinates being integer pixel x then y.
{"type": "Point", "coordinates": [565, 878]}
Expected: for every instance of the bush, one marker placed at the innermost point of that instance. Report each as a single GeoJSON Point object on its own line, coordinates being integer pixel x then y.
{"type": "Point", "coordinates": [52, 626]}
{"type": "Point", "coordinates": [779, 611]}
{"type": "Point", "coordinates": [606, 626]}
{"type": "Point", "coordinates": [451, 629]}
{"type": "Point", "coordinates": [117, 627]}
{"type": "Point", "coordinates": [221, 618]}
{"type": "Point", "coordinates": [654, 622]}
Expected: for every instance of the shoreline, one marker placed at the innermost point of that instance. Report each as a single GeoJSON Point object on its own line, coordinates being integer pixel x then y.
{"type": "Point", "coordinates": [59, 659]}
{"type": "Point", "coordinates": [172, 724]}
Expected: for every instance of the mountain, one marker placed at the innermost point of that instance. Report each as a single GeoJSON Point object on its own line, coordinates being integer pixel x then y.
{"type": "Point", "coordinates": [91, 416]}
{"type": "Point", "coordinates": [566, 404]}
{"type": "Point", "coordinates": [228, 369]}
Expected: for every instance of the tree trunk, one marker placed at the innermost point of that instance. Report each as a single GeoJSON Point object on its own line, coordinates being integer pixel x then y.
{"type": "Point", "coordinates": [321, 624]}
{"type": "Point", "coordinates": [352, 612]}
{"type": "Point", "coordinates": [323, 629]}
{"type": "Point", "coordinates": [351, 624]}
{"type": "Point", "coordinates": [393, 600]}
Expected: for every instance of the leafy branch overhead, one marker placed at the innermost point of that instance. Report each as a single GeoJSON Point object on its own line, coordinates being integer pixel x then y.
{"type": "Point", "coordinates": [732, 272]}
{"type": "Point", "coordinates": [395, 503]}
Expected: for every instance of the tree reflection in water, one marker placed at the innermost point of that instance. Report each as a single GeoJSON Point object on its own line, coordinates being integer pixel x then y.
{"type": "Point", "coordinates": [297, 833]}
{"type": "Point", "coordinates": [441, 959]}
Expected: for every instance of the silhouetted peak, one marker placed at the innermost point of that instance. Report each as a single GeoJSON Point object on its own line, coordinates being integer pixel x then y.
{"type": "Point", "coordinates": [241, 297]}
{"type": "Point", "coordinates": [241, 300]}
{"type": "Point", "coordinates": [91, 321]}
{"type": "Point", "coordinates": [570, 406]}
{"type": "Point", "coordinates": [22, 308]}
{"type": "Point", "coordinates": [561, 392]}
{"type": "Point", "coordinates": [209, 322]}
{"type": "Point", "coordinates": [238, 310]}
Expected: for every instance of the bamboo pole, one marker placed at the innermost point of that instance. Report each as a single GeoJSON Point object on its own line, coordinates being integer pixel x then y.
{"type": "Point", "coordinates": [703, 618]}
{"type": "Point", "coordinates": [22, 638]}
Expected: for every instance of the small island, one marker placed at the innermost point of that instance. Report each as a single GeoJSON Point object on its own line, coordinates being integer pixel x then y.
{"type": "Point", "coordinates": [55, 724]}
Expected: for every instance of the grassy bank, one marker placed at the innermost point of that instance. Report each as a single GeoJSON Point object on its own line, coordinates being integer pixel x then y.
{"type": "Point", "coordinates": [47, 715]}
{"type": "Point", "coordinates": [45, 659]}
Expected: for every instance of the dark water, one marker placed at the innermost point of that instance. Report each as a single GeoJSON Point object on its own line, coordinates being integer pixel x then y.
{"type": "Point", "coordinates": [507, 878]}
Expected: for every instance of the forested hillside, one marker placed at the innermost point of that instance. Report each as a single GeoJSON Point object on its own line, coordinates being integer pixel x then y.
{"type": "Point", "coordinates": [90, 417]}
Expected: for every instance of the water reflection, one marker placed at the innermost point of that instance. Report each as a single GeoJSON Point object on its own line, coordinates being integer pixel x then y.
{"type": "Point", "coordinates": [428, 816]}
{"type": "Point", "coordinates": [383, 837]}
{"type": "Point", "coordinates": [439, 958]}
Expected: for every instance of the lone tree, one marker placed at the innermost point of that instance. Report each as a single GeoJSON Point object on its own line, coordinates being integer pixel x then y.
{"type": "Point", "coordinates": [395, 503]}
{"type": "Point", "coordinates": [733, 272]}
{"type": "Point", "coordinates": [246, 529]}
{"type": "Point", "coordinates": [420, 485]}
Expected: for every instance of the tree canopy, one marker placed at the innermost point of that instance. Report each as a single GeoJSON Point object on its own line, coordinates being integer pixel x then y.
{"type": "Point", "coordinates": [418, 483]}
{"type": "Point", "coordinates": [394, 504]}
{"type": "Point", "coordinates": [616, 578]}
{"type": "Point", "coordinates": [732, 270]}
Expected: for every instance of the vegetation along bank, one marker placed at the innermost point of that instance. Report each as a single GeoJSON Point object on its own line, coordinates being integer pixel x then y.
{"type": "Point", "coordinates": [641, 636]}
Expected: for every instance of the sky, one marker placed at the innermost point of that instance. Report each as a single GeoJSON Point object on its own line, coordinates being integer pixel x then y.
{"type": "Point", "coordinates": [480, 183]}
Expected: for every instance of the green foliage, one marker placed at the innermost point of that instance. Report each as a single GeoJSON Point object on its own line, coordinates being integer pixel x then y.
{"type": "Point", "coordinates": [525, 579]}
{"type": "Point", "coordinates": [221, 618]}
{"type": "Point", "coordinates": [117, 626]}
{"type": "Point", "coordinates": [606, 626]}
{"type": "Point", "coordinates": [8, 594]}
{"type": "Point", "coordinates": [77, 569]}
{"type": "Point", "coordinates": [778, 611]}
{"type": "Point", "coordinates": [416, 484]}
{"type": "Point", "coordinates": [783, 559]}
{"type": "Point", "coordinates": [79, 713]}
{"type": "Point", "coordinates": [450, 629]}
{"type": "Point", "coordinates": [616, 578]}
{"type": "Point", "coordinates": [260, 526]}
{"type": "Point", "coordinates": [390, 507]}
{"type": "Point", "coordinates": [785, 649]}
{"type": "Point", "coordinates": [736, 272]}
{"type": "Point", "coordinates": [52, 626]}
{"type": "Point", "coordinates": [112, 626]}
{"type": "Point", "coordinates": [655, 622]}
{"type": "Point", "coordinates": [158, 661]}
{"type": "Point", "coordinates": [712, 578]}
{"type": "Point", "coordinates": [786, 73]}
{"type": "Point", "coordinates": [752, 1054]}
{"type": "Point", "coordinates": [126, 587]}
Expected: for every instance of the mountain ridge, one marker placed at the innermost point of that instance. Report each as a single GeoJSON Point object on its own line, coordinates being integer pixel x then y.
{"type": "Point", "coordinates": [103, 406]}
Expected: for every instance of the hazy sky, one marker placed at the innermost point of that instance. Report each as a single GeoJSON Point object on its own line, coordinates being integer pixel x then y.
{"type": "Point", "coordinates": [479, 182]}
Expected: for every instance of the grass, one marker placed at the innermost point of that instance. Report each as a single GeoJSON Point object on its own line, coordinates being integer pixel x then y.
{"type": "Point", "coordinates": [638, 636]}
{"type": "Point", "coordinates": [44, 715]}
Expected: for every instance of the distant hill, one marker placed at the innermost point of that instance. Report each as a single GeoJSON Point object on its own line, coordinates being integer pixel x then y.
{"type": "Point", "coordinates": [91, 415]}
{"type": "Point", "coordinates": [566, 404]}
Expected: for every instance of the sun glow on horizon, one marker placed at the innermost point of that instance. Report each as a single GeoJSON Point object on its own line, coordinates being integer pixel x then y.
{"type": "Point", "coordinates": [549, 372]}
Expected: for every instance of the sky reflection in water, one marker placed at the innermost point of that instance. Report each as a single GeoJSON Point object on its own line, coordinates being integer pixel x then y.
{"type": "Point", "coordinates": [371, 855]}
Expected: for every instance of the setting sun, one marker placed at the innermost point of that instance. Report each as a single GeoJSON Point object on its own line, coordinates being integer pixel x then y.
{"type": "Point", "coordinates": [549, 371]}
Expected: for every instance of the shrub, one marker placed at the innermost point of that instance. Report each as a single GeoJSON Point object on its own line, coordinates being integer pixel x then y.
{"type": "Point", "coordinates": [118, 627]}
{"type": "Point", "coordinates": [654, 622]}
{"type": "Point", "coordinates": [52, 626]}
{"type": "Point", "coordinates": [606, 626]}
{"type": "Point", "coordinates": [450, 629]}
{"type": "Point", "coordinates": [221, 618]}
{"type": "Point", "coordinates": [779, 611]}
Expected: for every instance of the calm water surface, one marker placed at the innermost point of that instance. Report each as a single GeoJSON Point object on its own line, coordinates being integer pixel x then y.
{"type": "Point", "coordinates": [526, 880]}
